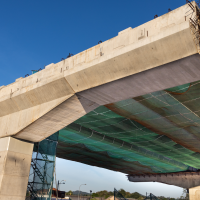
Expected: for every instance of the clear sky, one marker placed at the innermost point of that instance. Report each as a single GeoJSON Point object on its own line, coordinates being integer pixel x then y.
{"type": "Point", "coordinates": [98, 179]}
{"type": "Point", "coordinates": [36, 33]}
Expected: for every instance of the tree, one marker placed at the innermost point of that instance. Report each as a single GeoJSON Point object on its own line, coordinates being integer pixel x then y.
{"type": "Point", "coordinates": [69, 193]}
{"type": "Point", "coordinates": [185, 194]}
{"type": "Point", "coordinates": [135, 195]}
{"type": "Point", "coordinates": [103, 193]}
{"type": "Point", "coordinates": [123, 192]}
{"type": "Point", "coordinates": [95, 195]}
{"type": "Point", "coordinates": [107, 194]}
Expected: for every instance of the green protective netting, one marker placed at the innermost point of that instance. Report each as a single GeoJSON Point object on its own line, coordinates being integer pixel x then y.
{"type": "Point", "coordinates": [154, 133]}
{"type": "Point", "coordinates": [41, 175]}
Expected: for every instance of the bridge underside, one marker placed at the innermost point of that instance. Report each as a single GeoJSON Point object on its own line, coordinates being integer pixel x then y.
{"type": "Point", "coordinates": [185, 70]}
{"type": "Point", "coordinates": [130, 104]}
{"type": "Point", "coordinates": [150, 134]}
{"type": "Point", "coordinates": [181, 179]}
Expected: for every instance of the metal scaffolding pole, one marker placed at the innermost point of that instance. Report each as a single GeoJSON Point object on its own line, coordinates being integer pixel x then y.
{"type": "Point", "coordinates": [42, 169]}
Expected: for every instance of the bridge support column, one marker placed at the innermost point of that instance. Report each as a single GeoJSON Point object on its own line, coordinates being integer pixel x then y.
{"type": "Point", "coordinates": [194, 193]}
{"type": "Point", "coordinates": [15, 160]}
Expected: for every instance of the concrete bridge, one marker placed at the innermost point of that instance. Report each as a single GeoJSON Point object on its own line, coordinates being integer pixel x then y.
{"type": "Point", "coordinates": [157, 55]}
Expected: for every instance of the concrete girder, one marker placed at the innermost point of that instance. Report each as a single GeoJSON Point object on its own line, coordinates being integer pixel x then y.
{"type": "Point", "coordinates": [67, 110]}
{"type": "Point", "coordinates": [180, 179]}
{"type": "Point", "coordinates": [185, 70]}
{"type": "Point", "coordinates": [189, 180]}
{"type": "Point", "coordinates": [119, 62]}
{"type": "Point", "coordinates": [57, 118]}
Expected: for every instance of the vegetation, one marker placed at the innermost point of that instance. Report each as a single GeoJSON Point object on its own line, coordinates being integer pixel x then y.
{"type": "Point", "coordinates": [185, 195]}
{"type": "Point", "coordinates": [165, 198]}
{"type": "Point", "coordinates": [103, 193]}
{"type": "Point", "coordinates": [69, 193]}
{"type": "Point", "coordinates": [134, 195]}
{"type": "Point", "coordinates": [107, 194]}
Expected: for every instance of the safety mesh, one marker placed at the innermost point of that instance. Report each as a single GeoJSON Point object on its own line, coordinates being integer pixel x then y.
{"type": "Point", "coordinates": [42, 169]}
{"type": "Point", "coordinates": [153, 133]}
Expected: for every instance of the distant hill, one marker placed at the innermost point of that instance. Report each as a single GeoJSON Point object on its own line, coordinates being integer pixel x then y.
{"type": "Point", "coordinates": [81, 192]}
{"type": "Point", "coordinates": [125, 194]}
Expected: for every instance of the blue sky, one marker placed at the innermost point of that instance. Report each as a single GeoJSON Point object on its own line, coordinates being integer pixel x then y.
{"type": "Point", "coordinates": [37, 33]}
{"type": "Point", "coordinates": [98, 179]}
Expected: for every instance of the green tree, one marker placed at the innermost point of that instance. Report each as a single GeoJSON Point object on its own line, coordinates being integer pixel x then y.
{"type": "Point", "coordinates": [94, 195]}
{"type": "Point", "coordinates": [107, 194]}
{"type": "Point", "coordinates": [185, 194]}
{"type": "Point", "coordinates": [69, 192]}
{"type": "Point", "coordinates": [103, 193]}
{"type": "Point", "coordinates": [123, 192]}
{"type": "Point", "coordinates": [135, 195]}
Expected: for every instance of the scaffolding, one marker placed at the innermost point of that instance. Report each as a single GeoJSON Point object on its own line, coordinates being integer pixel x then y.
{"type": "Point", "coordinates": [42, 169]}
{"type": "Point", "coordinates": [118, 195]}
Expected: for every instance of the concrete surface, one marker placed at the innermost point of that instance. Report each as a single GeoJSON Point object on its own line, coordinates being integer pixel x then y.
{"type": "Point", "coordinates": [180, 179]}
{"type": "Point", "coordinates": [194, 193]}
{"type": "Point", "coordinates": [137, 61]}
{"type": "Point", "coordinates": [159, 54]}
{"type": "Point", "coordinates": [15, 161]}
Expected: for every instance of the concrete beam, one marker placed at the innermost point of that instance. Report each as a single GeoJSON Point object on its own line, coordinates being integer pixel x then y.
{"type": "Point", "coordinates": [87, 79]}
{"type": "Point", "coordinates": [57, 118]}
{"type": "Point", "coordinates": [76, 106]}
{"type": "Point", "coordinates": [180, 179]}
{"type": "Point", "coordinates": [185, 70]}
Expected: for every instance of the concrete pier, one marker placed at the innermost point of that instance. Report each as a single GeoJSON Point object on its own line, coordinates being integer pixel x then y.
{"type": "Point", "coordinates": [15, 160]}
{"type": "Point", "coordinates": [194, 193]}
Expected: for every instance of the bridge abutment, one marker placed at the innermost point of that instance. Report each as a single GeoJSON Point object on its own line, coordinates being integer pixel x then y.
{"type": "Point", "coordinates": [15, 161]}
